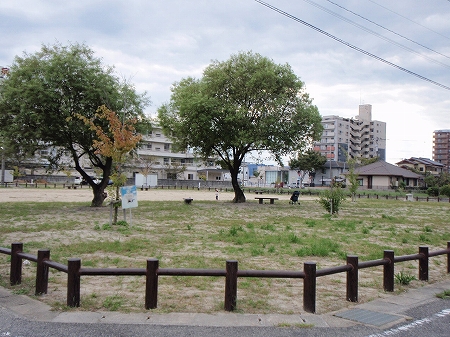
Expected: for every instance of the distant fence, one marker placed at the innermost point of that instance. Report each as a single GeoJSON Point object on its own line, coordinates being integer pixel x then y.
{"type": "Point", "coordinates": [231, 273]}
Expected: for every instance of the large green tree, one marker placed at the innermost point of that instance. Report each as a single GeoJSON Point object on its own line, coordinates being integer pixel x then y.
{"type": "Point", "coordinates": [247, 103]}
{"type": "Point", "coordinates": [307, 162]}
{"type": "Point", "coordinates": [46, 92]}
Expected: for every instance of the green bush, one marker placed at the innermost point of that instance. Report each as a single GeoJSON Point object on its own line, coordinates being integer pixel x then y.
{"type": "Point", "coordinates": [433, 191]}
{"type": "Point", "coordinates": [332, 199]}
{"type": "Point", "coordinates": [445, 190]}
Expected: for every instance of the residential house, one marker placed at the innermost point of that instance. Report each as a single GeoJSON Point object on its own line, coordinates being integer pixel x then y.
{"type": "Point", "coordinates": [382, 175]}
{"type": "Point", "coordinates": [422, 165]}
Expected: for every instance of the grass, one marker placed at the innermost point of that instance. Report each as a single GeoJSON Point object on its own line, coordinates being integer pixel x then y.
{"type": "Point", "coordinates": [206, 234]}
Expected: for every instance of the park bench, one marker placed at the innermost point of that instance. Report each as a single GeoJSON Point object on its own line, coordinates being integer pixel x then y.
{"type": "Point", "coordinates": [271, 199]}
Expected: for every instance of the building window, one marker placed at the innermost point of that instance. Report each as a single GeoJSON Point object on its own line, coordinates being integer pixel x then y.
{"type": "Point", "coordinates": [166, 147]}
{"type": "Point", "coordinates": [166, 161]}
{"type": "Point", "coordinates": [157, 135]}
{"type": "Point", "coordinates": [218, 178]}
{"type": "Point", "coordinates": [190, 176]}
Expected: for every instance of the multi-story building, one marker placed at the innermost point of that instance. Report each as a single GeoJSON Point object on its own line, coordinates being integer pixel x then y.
{"type": "Point", "coordinates": [441, 148]}
{"type": "Point", "coordinates": [359, 137]}
{"type": "Point", "coordinates": [157, 156]}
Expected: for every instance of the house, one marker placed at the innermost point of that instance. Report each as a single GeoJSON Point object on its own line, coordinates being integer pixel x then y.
{"type": "Point", "coordinates": [422, 165]}
{"type": "Point", "coordinates": [382, 175]}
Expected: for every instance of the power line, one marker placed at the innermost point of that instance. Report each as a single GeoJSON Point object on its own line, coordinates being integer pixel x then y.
{"type": "Point", "coordinates": [390, 10]}
{"type": "Point", "coordinates": [374, 33]}
{"type": "Point", "coordinates": [350, 45]}
{"type": "Point", "coordinates": [389, 30]}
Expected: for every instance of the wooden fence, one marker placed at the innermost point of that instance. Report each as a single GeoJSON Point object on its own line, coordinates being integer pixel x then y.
{"type": "Point", "coordinates": [74, 271]}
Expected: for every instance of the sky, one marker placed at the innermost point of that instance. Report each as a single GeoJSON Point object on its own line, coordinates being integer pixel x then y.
{"type": "Point", "coordinates": [394, 55]}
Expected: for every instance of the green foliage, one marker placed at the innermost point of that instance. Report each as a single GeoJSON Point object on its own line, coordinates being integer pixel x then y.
{"type": "Point", "coordinates": [46, 91]}
{"type": "Point", "coordinates": [445, 190]}
{"type": "Point", "coordinates": [240, 105]}
{"type": "Point", "coordinates": [404, 278]}
{"type": "Point", "coordinates": [309, 161]}
{"type": "Point", "coordinates": [352, 177]}
{"type": "Point", "coordinates": [444, 295]}
{"type": "Point", "coordinates": [433, 191]}
{"type": "Point", "coordinates": [113, 303]}
{"type": "Point", "coordinates": [331, 199]}
{"type": "Point", "coordinates": [319, 247]}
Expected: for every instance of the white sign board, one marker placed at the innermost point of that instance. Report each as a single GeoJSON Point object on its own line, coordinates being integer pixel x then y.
{"type": "Point", "coordinates": [129, 196]}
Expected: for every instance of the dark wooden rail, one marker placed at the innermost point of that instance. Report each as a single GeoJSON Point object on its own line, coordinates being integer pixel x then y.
{"type": "Point", "coordinates": [231, 273]}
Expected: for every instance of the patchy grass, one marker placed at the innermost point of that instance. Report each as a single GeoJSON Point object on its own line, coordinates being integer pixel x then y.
{"type": "Point", "coordinates": [206, 234]}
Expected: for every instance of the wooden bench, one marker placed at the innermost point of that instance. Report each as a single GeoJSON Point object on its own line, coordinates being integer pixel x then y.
{"type": "Point", "coordinates": [188, 200]}
{"type": "Point", "coordinates": [261, 199]}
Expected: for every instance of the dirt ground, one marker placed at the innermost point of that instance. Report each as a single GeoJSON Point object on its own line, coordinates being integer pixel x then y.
{"type": "Point", "coordinates": [85, 194]}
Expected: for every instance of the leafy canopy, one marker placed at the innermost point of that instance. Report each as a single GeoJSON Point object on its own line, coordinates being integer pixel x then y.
{"type": "Point", "coordinates": [43, 94]}
{"type": "Point", "coordinates": [247, 103]}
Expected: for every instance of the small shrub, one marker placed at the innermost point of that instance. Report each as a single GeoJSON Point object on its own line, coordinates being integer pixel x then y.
{"type": "Point", "coordinates": [445, 190]}
{"type": "Point", "coordinates": [404, 278]}
{"type": "Point", "coordinates": [433, 191]}
{"type": "Point", "coordinates": [332, 199]}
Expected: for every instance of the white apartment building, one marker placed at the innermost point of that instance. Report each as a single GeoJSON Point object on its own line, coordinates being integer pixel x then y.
{"type": "Point", "coordinates": [360, 137]}
{"type": "Point", "coordinates": [156, 156]}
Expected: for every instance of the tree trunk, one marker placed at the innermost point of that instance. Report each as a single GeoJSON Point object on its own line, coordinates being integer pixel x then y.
{"type": "Point", "coordinates": [99, 196]}
{"type": "Point", "coordinates": [238, 193]}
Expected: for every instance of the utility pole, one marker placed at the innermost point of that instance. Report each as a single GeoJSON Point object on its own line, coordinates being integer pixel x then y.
{"type": "Point", "coordinates": [3, 73]}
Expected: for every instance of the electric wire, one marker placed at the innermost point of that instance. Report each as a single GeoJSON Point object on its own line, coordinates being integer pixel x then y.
{"type": "Point", "coordinates": [389, 30]}
{"type": "Point", "coordinates": [352, 46]}
{"type": "Point", "coordinates": [375, 33]}
{"type": "Point", "coordinates": [390, 10]}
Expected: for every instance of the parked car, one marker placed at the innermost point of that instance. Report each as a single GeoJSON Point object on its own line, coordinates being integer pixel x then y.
{"type": "Point", "coordinates": [78, 181]}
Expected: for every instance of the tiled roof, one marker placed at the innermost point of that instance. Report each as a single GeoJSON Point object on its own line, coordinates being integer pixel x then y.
{"type": "Point", "coordinates": [381, 168]}
{"type": "Point", "coordinates": [425, 161]}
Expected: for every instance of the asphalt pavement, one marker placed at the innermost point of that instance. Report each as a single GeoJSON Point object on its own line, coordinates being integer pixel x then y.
{"type": "Point", "coordinates": [380, 317]}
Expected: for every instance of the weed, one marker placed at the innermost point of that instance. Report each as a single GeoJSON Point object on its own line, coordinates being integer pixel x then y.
{"type": "Point", "coordinates": [113, 303]}
{"type": "Point", "coordinates": [444, 295]}
{"type": "Point", "coordinates": [404, 278]}
{"type": "Point", "coordinates": [268, 227]}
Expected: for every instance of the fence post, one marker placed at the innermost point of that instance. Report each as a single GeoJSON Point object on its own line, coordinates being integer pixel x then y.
{"type": "Point", "coordinates": [73, 282]}
{"type": "Point", "coordinates": [231, 285]}
{"type": "Point", "coordinates": [423, 263]}
{"type": "Point", "coordinates": [151, 284]}
{"type": "Point", "coordinates": [352, 279]}
{"type": "Point", "coordinates": [15, 276]}
{"type": "Point", "coordinates": [42, 272]}
{"type": "Point", "coordinates": [309, 287]}
{"type": "Point", "coordinates": [448, 254]}
{"type": "Point", "coordinates": [388, 271]}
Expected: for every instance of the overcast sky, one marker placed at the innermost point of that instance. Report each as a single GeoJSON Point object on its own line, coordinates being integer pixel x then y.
{"type": "Point", "coordinates": [156, 43]}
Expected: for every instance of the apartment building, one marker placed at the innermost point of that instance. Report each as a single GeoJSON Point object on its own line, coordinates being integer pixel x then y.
{"type": "Point", "coordinates": [441, 148]}
{"type": "Point", "coordinates": [360, 137]}
{"type": "Point", "coordinates": [156, 155]}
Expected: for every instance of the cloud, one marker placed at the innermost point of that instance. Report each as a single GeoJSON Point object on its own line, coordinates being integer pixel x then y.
{"type": "Point", "coordinates": [156, 43]}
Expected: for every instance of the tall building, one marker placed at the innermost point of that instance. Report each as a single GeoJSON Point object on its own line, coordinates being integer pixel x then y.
{"type": "Point", "coordinates": [441, 148]}
{"type": "Point", "coordinates": [360, 137]}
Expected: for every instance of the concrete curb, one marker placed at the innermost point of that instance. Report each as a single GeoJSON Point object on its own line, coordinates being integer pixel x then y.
{"type": "Point", "coordinates": [394, 305]}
